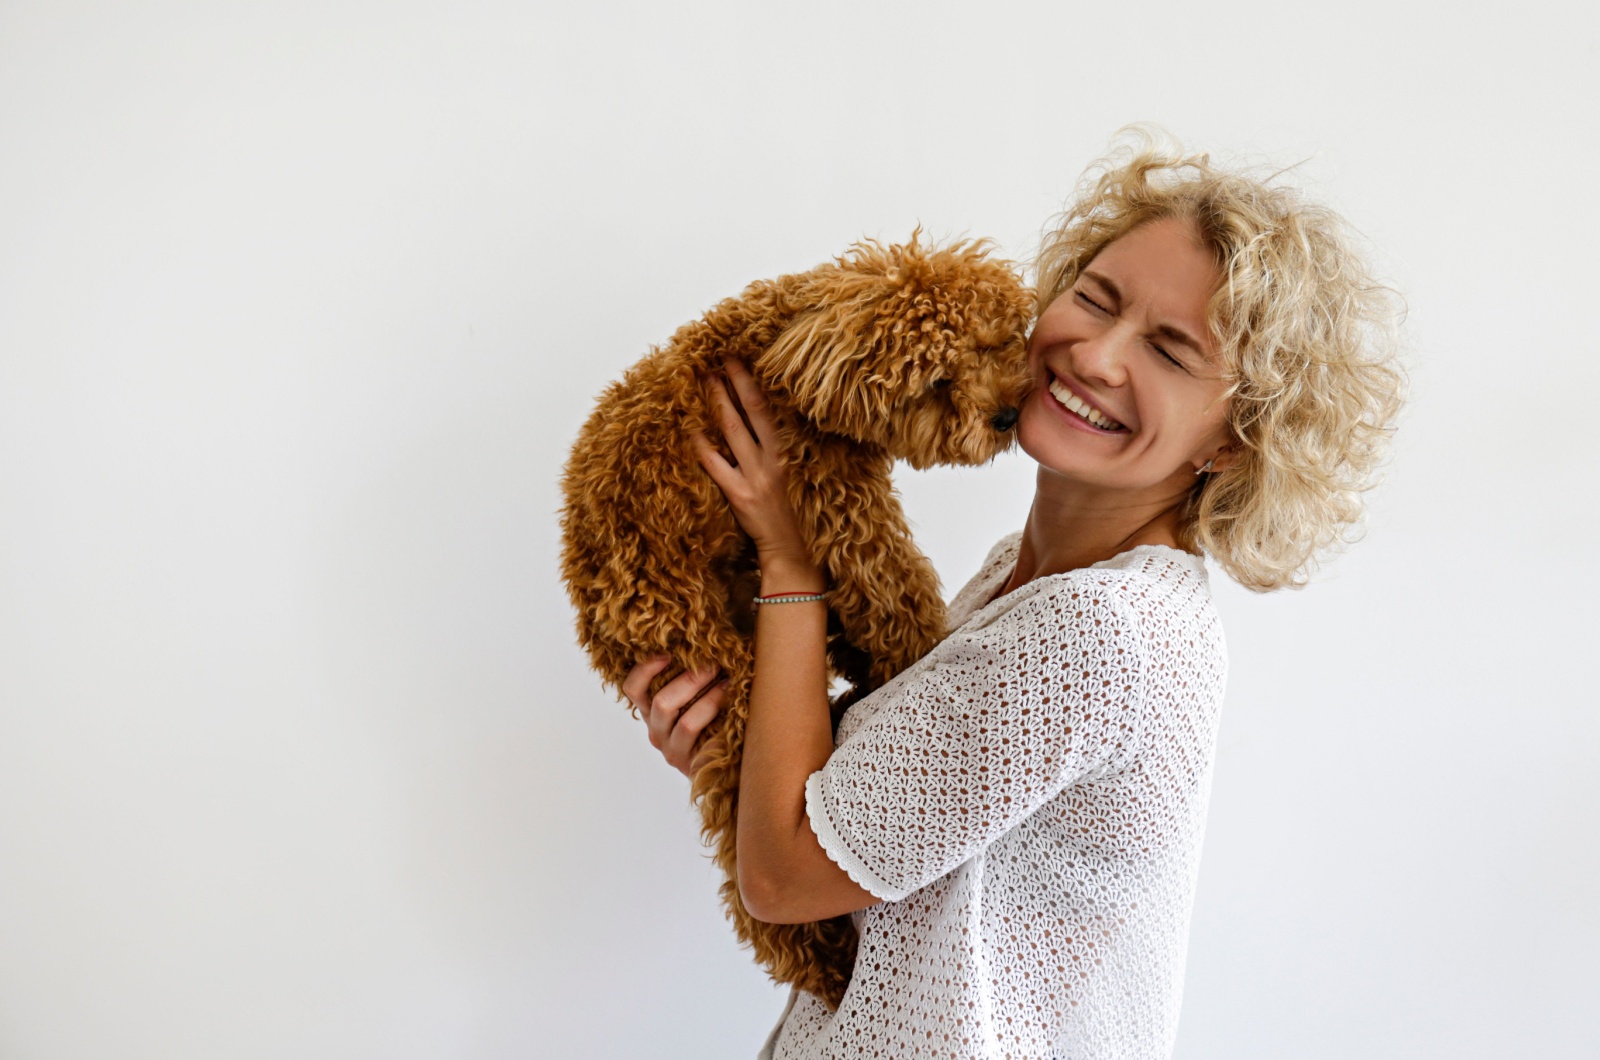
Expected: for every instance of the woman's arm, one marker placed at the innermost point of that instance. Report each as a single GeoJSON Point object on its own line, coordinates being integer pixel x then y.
{"type": "Point", "coordinates": [785, 876]}
{"type": "Point", "coordinates": [1000, 719]}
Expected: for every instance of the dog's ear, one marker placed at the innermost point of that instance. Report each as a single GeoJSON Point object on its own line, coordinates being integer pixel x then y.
{"type": "Point", "coordinates": [865, 324]}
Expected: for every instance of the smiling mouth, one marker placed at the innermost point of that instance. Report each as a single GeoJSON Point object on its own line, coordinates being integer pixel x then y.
{"type": "Point", "coordinates": [1081, 409]}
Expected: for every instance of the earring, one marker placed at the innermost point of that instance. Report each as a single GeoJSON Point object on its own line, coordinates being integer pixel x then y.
{"type": "Point", "coordinates": [1205, 467]}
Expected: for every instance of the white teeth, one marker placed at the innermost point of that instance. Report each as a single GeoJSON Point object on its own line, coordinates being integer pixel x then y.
{"type": "Point", "coordinates": [1071, 401]}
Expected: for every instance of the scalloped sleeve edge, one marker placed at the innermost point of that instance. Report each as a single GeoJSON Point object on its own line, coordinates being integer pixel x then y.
{"type": "Point", "coordinates": [838, 852]}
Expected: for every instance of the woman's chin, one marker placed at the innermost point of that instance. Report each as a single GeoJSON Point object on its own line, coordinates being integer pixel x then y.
{"type": "Point", "coordinates": [1055, 448]}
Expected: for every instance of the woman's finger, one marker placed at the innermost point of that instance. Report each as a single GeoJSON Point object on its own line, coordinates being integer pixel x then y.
{"type": "Point", "coordinates": [669, 702]}
{"type": "Point", "coordinates": [713, 460]}
{"type": "Point", "coordinates": [724, 474]}
{"type": "Point", "coordinates": [679, 750]}
{"type": "Point", "coordinates": [636, 686]}
{"type": "Point", "coordinates": [745, 449]}
{"type": "Point", "coordinates": [754, 403]}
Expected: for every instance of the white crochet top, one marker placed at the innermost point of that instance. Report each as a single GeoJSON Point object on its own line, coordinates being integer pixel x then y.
{"type": "Point", "coordinates": [1028, 801]}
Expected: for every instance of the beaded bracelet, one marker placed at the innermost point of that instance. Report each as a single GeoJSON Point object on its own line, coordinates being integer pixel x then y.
{"type": "Point", "coordinates": [790, 598]}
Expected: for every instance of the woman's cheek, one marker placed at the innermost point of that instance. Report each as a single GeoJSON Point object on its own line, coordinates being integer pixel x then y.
{"type": "Point", "coordinates": [1037, 432]}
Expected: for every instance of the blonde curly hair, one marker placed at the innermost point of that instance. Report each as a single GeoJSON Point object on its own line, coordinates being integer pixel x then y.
{"type": "Point", "coordinates": [1306, 337]}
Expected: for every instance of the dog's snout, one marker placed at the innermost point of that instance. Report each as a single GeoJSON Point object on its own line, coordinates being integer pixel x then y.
{"type": "Point", "coordinates": [1005, 419]}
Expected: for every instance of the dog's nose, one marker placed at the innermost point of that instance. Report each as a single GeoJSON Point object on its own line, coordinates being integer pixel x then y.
{"type": "Point", "coordinates": [1004, 420]}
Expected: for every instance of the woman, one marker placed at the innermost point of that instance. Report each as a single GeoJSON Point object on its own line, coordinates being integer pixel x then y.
{"type": "Point", "coordinates": [1016, 820]}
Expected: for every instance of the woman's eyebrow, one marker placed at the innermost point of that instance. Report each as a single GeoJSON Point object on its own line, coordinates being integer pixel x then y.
{"type": "Point", "coordinates": [1104, 281]}
{"type": "Point", "coordinates": [1179, 335]}
{"type": "Point", "coordinates": [1169, 331]}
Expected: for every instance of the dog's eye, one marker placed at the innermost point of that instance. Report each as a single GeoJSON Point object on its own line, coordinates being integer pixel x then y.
{"type": "Point", "coordinates": [941, 384]}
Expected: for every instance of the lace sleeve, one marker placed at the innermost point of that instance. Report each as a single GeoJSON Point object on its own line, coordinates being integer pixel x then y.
{"type": "Point", "coordinates": [997, 720]}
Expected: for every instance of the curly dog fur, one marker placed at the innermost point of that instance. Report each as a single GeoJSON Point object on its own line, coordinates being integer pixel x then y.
{"type": "Point", "coordinates": [904, 352]}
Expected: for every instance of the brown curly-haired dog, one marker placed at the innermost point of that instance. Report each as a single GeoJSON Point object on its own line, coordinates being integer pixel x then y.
{"type": "Point", "coordinates": [887, 353]}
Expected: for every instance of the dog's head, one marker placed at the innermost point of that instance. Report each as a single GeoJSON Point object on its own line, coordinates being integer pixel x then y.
{"type": "Point", "coordinates": [920, 350]}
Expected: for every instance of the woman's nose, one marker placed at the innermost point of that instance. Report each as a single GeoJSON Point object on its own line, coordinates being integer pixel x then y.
{"type": "Point", "coordinates": [1103, 357]}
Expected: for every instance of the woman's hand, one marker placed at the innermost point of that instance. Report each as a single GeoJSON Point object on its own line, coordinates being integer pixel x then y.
{"type": "Point", "coordinates": [756, 483]}
{"type": "Point", "coordinates": [674, 717]}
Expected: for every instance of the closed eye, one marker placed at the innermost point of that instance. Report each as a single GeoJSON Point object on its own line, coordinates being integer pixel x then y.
{"type": "Point", "coordinates": [1168, 356]}
{"type": "Point", "coordinates": [1091, 302]}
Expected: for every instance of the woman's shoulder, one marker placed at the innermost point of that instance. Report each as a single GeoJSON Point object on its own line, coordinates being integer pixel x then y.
{"type": "Point", "coordinates": [1141, 571]}
{"type": "Point", "coordinates": [981, 587]}
{"type": "Point", "coordinates": [1147, 586]}
{"type": "Point", "coordinates": [1151, 571]}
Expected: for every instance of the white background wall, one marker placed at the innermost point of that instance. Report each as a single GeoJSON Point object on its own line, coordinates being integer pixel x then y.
{"type": "Point", "coordinates": [301, 305]}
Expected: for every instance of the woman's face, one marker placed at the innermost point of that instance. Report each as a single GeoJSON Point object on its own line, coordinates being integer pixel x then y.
{"type": "Point", "coordinates": [1128, 389]}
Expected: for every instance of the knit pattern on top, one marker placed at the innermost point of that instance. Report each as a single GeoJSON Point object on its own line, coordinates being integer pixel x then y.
{"type": "Point", "coordinates": [1028, 801]}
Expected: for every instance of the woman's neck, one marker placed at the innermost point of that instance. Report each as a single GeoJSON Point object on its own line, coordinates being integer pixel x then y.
{"type": "Point", "coordinates": [1071, 526]}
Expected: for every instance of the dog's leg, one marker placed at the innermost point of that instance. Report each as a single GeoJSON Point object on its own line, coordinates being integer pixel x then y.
{"type": "Point", "coordinates": [883, 590]}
